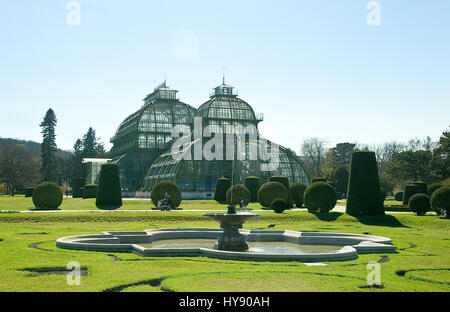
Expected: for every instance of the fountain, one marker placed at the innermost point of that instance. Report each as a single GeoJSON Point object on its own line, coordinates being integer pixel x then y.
{"type": "Point", "coordinates": [231, 222]}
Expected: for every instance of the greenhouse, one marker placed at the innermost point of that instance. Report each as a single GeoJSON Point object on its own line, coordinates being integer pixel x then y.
{"type": "Point", "coordinates": [145, 134]}
{"type": "Point", "coordinates": [223, 112]}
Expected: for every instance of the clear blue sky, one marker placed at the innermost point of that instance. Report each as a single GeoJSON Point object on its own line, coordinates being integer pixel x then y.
{"type": "Point", "coordinates": [313, 67]}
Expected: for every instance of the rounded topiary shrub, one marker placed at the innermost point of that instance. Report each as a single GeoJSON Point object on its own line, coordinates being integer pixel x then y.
{"type": "Point", "coordinates": [160, 188]}
{"type": "Point", "coordinates": [252, 184]}
{"type": "Point", "coordinates": [238, 193]}
{"type": "Point", "coordinates": [278, 205]}
{"type": "Point", "coordinates": [331, 183]}
{"type": "Point", "coordinates": [269, 191]}
{"type": "Point", "coordinates": [420, 204]}
{"type": "Point", "coordinates": [29, 191]}
{"type": "Point", "coordinates": [77, 185]}
{"type": "Point", "coordinates": [398, 196]}
{"type": "Point", "coordinates": [285, 181]}
{"type": "Point", "coordinates": [47, 196]}
{"type": "Point", "coordinates": [109, 194]}
{"type": "Point", "coordinates": [363, 196]}
{"type": "Point", "coordinates": [409, 191]}
{"type": "Point", "coordinates": [317, 179]}
{"type": "Point", "coordinates": [433, 187]}
{"type": "Point", "coordinates": [90, 191]}
{"type": "Point", "coordinates": [320, 196]}
{"type": "Point", "coordinates": [440, 201]}
{"type": "Point", "coordinates": [220, 192]}
{"type": "Point", "coordinates": [297, 191]}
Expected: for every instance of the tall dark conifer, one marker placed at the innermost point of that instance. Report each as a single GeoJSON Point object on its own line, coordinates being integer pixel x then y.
{"type": "Point", "coordinates": [49, 168]}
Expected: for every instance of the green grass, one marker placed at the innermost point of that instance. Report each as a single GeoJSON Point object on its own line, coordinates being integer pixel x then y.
{"type": "Point", "coordinates": [423, 242]}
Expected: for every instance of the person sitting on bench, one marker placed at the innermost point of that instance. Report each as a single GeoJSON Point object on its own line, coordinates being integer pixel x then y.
{"type": "Point", "coordinates": [165, 203]}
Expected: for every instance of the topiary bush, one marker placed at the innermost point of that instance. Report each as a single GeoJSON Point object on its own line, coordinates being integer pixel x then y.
{"type": "Point", "coordinates": [238, 193]}
{"type": "Point", "coordinates": [383, 195]}
{"type": "Point", "coordinates": [332, 184]}
{"type": "Point", "coordinates": [364, 186]}
{"type": "Point", "coordinates": [222, 186]}
{"type": "Point", "coordinates": [77, 183]}
{"type": "Point", "coordinates": [47, 196]}
{"type": "Point", "coordinates": [423, 186]}
{"type": "Point", "coordinates": [297, 191]}
{"type": "Point", "coordinates": [269, 191]}
{"type": "Point", "coordinates": [278, 205]}
{"type": "Point", "coordinates": [420, 204]}
{"type": "Point", "coordinates": [433, 187]}
{"type": "Point", "coordinates": [398, 196]}
{"type": "Point", "coordinates": [90, 191]}
{"type": "Point", "coordinates": [320, 196]}
{"type": "Point", "coordinates": [409, 191]}
{"type": "Point", "coordinates": [109, 194]}
{"type": "Point", "coordinates": [285, 181]}
{"type": "Point", "coordinates": [160, 188]}
{"type": "Point", "coordinates": [440, 201]}
{"type": "Point", "coordinates": [29, 191]}
{"type": "Point", "coordinates": [252, 184]}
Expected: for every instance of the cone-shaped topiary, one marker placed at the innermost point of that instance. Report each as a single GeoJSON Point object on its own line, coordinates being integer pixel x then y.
{"type": "Point", "coordinates": [77, 183]}
{"type": "Point", "coordinates": [297, 191]}
{"type": "Point", "coordinates": [270, 191]}
{"type": "Point", "coordinates": [238, 193]}
{"type": "Point", "coordinates": [398, 196]}
{"type": "Point", "coordinates": [160, 188]}
{"type": "Point", "coordinates": [222, 186]}
{"type": "Point", "coordinates": [47, 196]}
{"type": "Point", "coordinates": [252, 184]}
{"type": "Point", "coordinates": [285, 181]}
{"type": "Point", "coordinates": [109, 194]}
{"type": "Point", "coordinates": [90, 191]}
{"type": "Point", "coordinates": [364, 186]}
{"type": "Point", "coordinates": [278, 205]}
{"type": "Point", "coordinates": [29, 191]}
{"type": "Point", "coordinates": [420, 204]}
{"type": "Point", "coordinates": [433, 187]}
{"type": "Point", "coordinates": [409, 191]}
{"type": "Point", "coordinates": [440, 201]}
{"type": "Point", "coordinates": [320, 196]}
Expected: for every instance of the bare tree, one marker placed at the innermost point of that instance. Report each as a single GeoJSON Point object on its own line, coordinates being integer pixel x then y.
{"type": "Point", "coordinates": [314, 151]}
{"type": "Point", "coordinates": [18, 167]}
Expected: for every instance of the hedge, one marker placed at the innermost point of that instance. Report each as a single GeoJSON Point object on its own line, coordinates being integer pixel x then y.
{"type": "Point", "coordinates": [364, 186]}
{"type": "Point", "coordinates": [109, 192]}
{"type": "Point", "coordinates": [90, 191]}
{"type": "Point", "coordinates": [440, 201]}
{"type": "Point", "coordinates": [409, 191]}
{"type": "Point", "coordinates": [398, 196]}
{"type": "Point", "coordinates": [47, 196]}
{"type": "Point", "coordinates": [222, 186]}
{"type": "Point", "coordinates": [320, 196]}
{"type": "Point", "coordinates": [420, 204]}
{"type": "Point", "coordinates": [433, 187]}
{"type": "Point", "coordinates": [285, 181]}
{"type": "Point", "coordinates": [160, 188]}
{"type": "Point", "coordinates": [297, 191]}
{"type": "Point", "coordinates": [77, 183]}
{"type": "Point", "coordinates": [29, 191]}
{"type": "Point", "coordinates": [252, 184]}
{"type": "Point", "coordinates": [238, 193]}
{"type": "Point", "coordinates": [269, 191]}
{"type": "Point", "coordinates": [278, 205]}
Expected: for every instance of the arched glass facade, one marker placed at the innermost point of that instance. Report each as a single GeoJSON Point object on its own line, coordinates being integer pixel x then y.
{"type": "Point", "coordinates": [145, 134]}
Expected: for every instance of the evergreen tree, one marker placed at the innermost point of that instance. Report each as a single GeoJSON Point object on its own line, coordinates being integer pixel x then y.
{"type": "Point", "coordinates": [440, 162]}
{"type": "Point", "coordinates": [49, 167]}
{"type": "Point", "coordinates": [89, 144]}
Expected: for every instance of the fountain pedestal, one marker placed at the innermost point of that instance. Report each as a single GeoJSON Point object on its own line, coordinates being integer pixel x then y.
{"type": "Point", "coordinates": [231, 239]}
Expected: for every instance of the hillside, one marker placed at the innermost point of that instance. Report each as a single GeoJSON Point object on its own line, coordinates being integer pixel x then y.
{"type": "Point", "coordinates": [34, 147]}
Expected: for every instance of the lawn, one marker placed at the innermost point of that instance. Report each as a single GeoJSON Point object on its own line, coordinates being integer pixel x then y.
{"type": "Point", "coordinates": [27, 242]}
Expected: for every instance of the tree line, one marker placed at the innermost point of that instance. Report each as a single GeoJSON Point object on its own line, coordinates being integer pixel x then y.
{"type": "Point", "coordinates": [20, 167]}
{"type": "Point", "coordinates": [398, 163]}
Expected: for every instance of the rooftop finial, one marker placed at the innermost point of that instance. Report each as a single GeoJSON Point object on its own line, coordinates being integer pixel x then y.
{"type": "Point", "coordinates": [223, 75]}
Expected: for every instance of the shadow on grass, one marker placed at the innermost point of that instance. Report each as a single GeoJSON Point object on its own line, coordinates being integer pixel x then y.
{"type": "Point", "coordinates": [110, 207]}
{"type": "Point", "coordinates": [330, 216]}
{"type": "Point", "coordinates": [382, 220]}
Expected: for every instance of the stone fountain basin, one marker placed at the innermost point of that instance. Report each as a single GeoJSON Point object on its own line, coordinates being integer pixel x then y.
{"type": "Point", "coordinates": [348, 245]}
